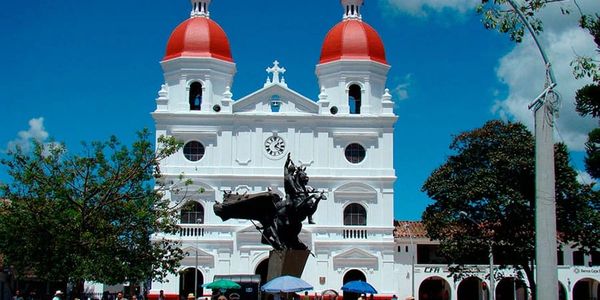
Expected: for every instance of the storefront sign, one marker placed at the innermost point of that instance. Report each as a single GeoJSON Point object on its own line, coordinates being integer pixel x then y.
{"type": "Point", "coordinates": [433, 270]}
{"type": "Point", "coordinates": [586, 270]}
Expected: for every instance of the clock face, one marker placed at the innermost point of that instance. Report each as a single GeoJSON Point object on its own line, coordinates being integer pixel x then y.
{"type": "Point", "coordinates": [274, 145]}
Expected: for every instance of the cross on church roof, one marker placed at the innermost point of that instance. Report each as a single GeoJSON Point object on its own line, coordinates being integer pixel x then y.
{"type": "Point", "coordinates": [275, 70]}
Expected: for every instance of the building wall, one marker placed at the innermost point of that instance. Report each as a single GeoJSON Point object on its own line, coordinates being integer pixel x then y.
{"type": "Point", "coordinates": [568, 275]}
{"type": "Point", "coordinates": [236, 160]}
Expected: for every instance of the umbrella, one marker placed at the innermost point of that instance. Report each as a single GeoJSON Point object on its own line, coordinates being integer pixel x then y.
{"type": "Point", "coordinates": [286, 284]}
{"type": "Point", "coordinates": [222, 284]}
{"type": "Point", "coordinates": [359, 286]}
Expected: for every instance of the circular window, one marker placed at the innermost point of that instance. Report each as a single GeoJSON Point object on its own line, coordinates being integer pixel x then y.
{"type": "Point", "coordinates": [193, 151]}
{"type": "Point", "coordinates": [355, 153]}
{"type": "Point", "coordinates": [333, 110]}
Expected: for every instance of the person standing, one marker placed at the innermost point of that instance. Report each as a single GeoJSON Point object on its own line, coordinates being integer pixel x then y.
{"type": "Point", "coordinates": [18, 295]}
{"type": "Point", "coordinates": [161, 295]}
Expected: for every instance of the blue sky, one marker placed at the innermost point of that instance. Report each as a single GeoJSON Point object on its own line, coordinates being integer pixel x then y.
{"type": "Point", "coordinates": [91, 69]}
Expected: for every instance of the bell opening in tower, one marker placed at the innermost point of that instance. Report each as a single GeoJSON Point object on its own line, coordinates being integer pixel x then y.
{"type": "Point", "coordinates": [195, 96]}
{"type": "Point", "coordinates": [354, 100]}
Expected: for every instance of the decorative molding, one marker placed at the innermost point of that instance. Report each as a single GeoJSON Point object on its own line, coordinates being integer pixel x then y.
{"type": "Point", "coordinates": [355, 258]}
{"type": "Point", "coordinates": [355, 134]}
{"type": "Point", "coordinates": [193, 131]}
{"type": "Point", "coordinates": [204, 258]}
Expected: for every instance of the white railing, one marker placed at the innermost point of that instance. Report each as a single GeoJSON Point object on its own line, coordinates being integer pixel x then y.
{"type": "Point", "coordinates": [191, 230]}
{"type": "Point", "coordinates": [355, 234]}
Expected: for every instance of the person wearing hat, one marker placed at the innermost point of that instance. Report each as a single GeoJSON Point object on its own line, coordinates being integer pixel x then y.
{"type": "Point", "coordinates": [57, 295]}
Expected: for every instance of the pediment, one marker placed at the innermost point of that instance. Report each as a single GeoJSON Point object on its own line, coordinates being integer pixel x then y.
{"type": "Point", "coordinates": [248, 236]}
{"type": "Point", "coordinates": [182, 192]}
{"type": "Point", "coordinates": [355, 258]}
{"type": "Point", "coordinates": [356, 190]}
{"type": "Point", "coordinates": [260, 102]}
{"type": "Point", "coordinates": [204, 258]}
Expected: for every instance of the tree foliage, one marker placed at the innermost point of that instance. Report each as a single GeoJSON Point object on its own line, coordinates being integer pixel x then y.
{"type": "Point", "coordinates": [498, 15]}
{"type": "Point", "coordinates": [587, 99]}
{"type": "Point", "coordinates": [89, 216]}
{"type": "Point", "coordinates": [491, 177]}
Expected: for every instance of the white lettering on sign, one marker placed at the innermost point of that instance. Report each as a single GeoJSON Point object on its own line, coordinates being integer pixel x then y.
{"type": "Point", "coordinates": [586, 271]}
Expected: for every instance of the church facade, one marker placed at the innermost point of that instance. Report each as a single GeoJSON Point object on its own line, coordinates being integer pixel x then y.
{"type": "Point", "coordinates": [344, 138]}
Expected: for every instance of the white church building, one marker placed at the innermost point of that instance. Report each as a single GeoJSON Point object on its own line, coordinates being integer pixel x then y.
{"type": "Point", "coordinates": [344, 138]}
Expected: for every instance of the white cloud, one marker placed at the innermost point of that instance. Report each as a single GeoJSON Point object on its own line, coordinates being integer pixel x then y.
{"type": "Point", "coordinates": [584, 178]}
{"type": "Point", "coordinates": [523, 72]}
{"type": "Point", "coordinates": [401, 89]}
{"type": "Point", "coordinates": [522, 69]}
{"type": "Point", "coordinates": [422, 8]}
{"type": "Point", "coordinates": [35, 132]}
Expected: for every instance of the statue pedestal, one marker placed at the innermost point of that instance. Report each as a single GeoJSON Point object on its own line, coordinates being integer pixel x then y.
{"type": "Point", "coordinates": [287, 262]}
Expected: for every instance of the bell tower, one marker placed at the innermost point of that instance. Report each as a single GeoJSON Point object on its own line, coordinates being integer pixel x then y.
{"type": "Point", "coordinates": [198, 66]}
{"type": "Point", "coordinates": [352, 70]}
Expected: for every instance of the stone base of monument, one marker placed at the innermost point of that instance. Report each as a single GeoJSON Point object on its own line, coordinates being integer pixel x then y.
{"type": "Point", "coordinates": [287, 262]}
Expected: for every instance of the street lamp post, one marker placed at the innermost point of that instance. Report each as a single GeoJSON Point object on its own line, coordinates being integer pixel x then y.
{"type": "Point", "coordinates": [490, 255]}
{"type": "Point", "coordinates": [412, 261]}
{"type": "Point", "coordinates": [544, 107]}
{"type": "Point", "coordinates": [492, 279]}
{"type": "Point", "coordinates": [196, 233]}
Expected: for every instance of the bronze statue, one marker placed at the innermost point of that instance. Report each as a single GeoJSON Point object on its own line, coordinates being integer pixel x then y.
{"type": "Point", "coordinates": [280, 219]}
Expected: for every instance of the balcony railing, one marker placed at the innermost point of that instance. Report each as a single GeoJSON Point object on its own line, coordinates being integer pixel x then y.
{"type": "Point", "coordinates": [191, 231]}
{"type": "Point", "coordinates": [355, 234]}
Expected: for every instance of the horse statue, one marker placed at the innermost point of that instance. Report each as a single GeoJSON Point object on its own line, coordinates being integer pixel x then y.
{"type": "Point", "coordinates": [280, 219]}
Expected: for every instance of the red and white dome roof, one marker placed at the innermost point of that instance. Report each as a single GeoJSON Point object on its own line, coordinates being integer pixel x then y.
{"type": "Point", "coordinates": [199, 36]}
{"type": "Point", "coordinates": [352, 38]}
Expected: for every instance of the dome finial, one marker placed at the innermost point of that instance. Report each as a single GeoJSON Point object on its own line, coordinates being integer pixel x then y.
{"type": "Point", "coordinates": [352, 9]}
{"type": "Point", "coordinates": [200, 8]}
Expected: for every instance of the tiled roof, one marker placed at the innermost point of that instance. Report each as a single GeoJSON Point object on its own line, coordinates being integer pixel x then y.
{"type": "Point", "coordinates": [409, 228]}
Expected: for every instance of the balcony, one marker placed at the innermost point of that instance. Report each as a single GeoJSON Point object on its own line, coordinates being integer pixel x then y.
{"type": "Point", "coordinates": [191, 230]}
{"type": "Point", "coordinates": [355, 234]}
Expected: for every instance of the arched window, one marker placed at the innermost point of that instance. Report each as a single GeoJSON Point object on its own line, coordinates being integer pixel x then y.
{"type": "Point", "coordinates": [354, 101]}
{"type": "Point", "coordinates": [355, 214]}
{"type": "Point", "coordinates": [195, 96]}
{"type": "Point", "coordinates": [192, 213]}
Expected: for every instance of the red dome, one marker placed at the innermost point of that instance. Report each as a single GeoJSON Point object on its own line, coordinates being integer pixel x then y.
{"type": "Point", "coordinates": [199, 37]}
{"type": "Point", "coordinates": [352, 39]}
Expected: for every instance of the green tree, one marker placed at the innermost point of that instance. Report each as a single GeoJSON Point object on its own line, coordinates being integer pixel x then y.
{"type": "Point", "coordinates": [587, 99]}
{"type": "Point", "coordinates": [491, 178]}
{"type": "Point", "coordinates": [89, 217]}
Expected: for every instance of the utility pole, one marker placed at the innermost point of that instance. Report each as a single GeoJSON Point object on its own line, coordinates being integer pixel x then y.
{"type": "Point", "coordinates": [197, 233]}
{"type": "Point", "coordinates": [544, 107]}
{"type": "Point", "coordinates": [412, 261]}
{"type": "Point", "coordinates": [490, 255]}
